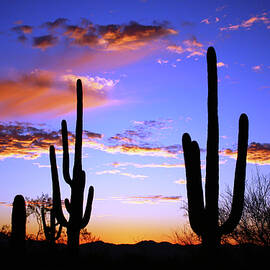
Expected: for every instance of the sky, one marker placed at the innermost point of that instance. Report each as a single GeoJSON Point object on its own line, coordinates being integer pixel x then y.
{"type": "Point", "coordinates": [143, 68]}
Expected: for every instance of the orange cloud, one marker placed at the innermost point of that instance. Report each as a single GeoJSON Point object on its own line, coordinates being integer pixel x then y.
{"type": "Point", "coordinates": [221, 64]}
{"type": "Point", "coordinates": [248, 23]}
{"type": "Point", "coordinates": [112, 37]}
{"type": "Point", "coordinates": [191, 46]}
{"type": "Point", "coordinates": [131, 36]}
{"type": "Point", "coordinates": [45, 92]}
{"type": "Point", "coordinates": [257, 153]}
{"type": "Point", "coordinates": [23, 140]}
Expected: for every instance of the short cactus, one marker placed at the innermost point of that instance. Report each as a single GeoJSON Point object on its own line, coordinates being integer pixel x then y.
{"type": "Point", "coordinates": [18, 222]}
{"type": "Point", "coordinates": [204, 216]}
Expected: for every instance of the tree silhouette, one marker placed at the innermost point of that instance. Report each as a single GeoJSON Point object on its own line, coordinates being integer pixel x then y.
{"type": "Point", "coordinates": [203, 216]}
{"type": "Point", "coordinates": [254, 226]}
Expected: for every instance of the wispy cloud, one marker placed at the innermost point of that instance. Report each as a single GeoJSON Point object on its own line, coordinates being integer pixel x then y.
{"type": "Point", "coordinates": [42, 91]}
{"type": "Point", "coordinates": [257, 68]}
{"type": "Point", "coordinates": [221, 64]}
{"type": "Point", "coordinates": [180, 181]}
{"type": "Point", "coordinates": [118, 172]}
{"type": "Point", "coordinates": [133, 149]}
{"type": "Point", "coordinates": [190, 46]}
{"type": "Point", "coordinates": [151, 165]}
{"type": "Point", "coordinates": [247, 24]}
{"type": "Point", "coordinates": [153, 199]}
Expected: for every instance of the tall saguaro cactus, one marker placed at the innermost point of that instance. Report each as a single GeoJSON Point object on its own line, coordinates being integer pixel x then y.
{"type": "Point", "coordinates": [203, 214]}
{"type": "Point", "coordinates": [18, 222]}
{"type": "Point", "coordinates": [77, 220]}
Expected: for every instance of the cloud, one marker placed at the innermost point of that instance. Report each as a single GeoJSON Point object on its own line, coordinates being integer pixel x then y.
{"type": "Point", "coordinates": [221, 64]}
{"type": "Point", "coordinates": [210, 20]}
{"type": "Point", "coordinates": [134, 176]}
{"type": "Point", "coordinates": [22, 31]}
{"type": "Point", "coordinates": [112, 37]}
{"type": "Point", "coordinates": [180, 181]}
{"type": "Point", "coordinates": [257, 68]}
{"type": "Point", "coordinates": [132, 36]}
{"type": "Point", "coordinates": [257, 153]}
{"type": "Point", "coordinates": [206, 21]}
{"type": "Point", "coordinates": [143, 139]}
{"type": "Point", "coordinates": [155, 199]}
{"type": "Point", "coordinates": [44, 42]}
{"type": "Point", "coordinates": [162, 61]}
{"type": "Point", "coordinates": [151, 165]}
{"type": "Point", "coordinates": [41, 91]}
{"type": "Point", "coordinates": [247, 24]}
{"type": "Point", "coordinates": [190, 46]}
{"type": "Point", "coordinates": [131, 149]}
{"type": "Point", "coordinates": [176, 48]}
{"type": "Point", "coordinates": [55, 24]}
{"type": "Point", "coordinates": [25, 29]}
{"type": "Point", "coordinates": [24, 140]}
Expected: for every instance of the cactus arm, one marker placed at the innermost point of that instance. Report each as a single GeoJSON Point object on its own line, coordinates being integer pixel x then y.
{"type": "Point", "coordinates": [59, 232]}
{"type": "Point", "coordinates": [57, 206]}
{"type": "Point", "coordinates": [78, 144]}
{"type": "Point", "coordinates": [88, 209]}
{"type": "Point", "coordinates": [67, 205]}
{"type": "Point", "coordinates": [65, 152]}
{"type": "Point", "coordinates": [239, 179]}
{"type": "Point", "coordinates": [194, 183]}
{"type": "Point", "coordinates": [212, 159]}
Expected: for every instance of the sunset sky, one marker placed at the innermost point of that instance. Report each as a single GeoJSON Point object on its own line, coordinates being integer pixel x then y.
{"type": "Point", "coordinates": [143, 68]}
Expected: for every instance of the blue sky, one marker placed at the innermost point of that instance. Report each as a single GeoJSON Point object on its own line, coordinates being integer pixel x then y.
{"type": "Point", "coordinates": [143, 67]}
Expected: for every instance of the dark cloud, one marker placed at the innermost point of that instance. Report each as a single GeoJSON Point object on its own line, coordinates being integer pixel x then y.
{"type": "Point", "coordinates": [112, 37]}
{"type": "Point", "coordinates": [55, 24]}
{"type": "Point", "coordinates": [25, 29]}
{"type": "Point", "coordinates": [44, 42]}
{"type": "Point", "coordinates": [22, 38]}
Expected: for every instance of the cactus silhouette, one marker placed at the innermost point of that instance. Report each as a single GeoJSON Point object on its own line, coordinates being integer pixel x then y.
{"type": "Point", "coordinates": [18, 222]}
{"type": "Point", "coordinates": [50, 231]}
{"type": "Point", "coordinates": [77, 220]}
{"type": "Point", "coordinates": [203, 216]}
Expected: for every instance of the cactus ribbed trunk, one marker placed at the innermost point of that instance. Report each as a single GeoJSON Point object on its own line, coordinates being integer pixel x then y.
{"type": "Point", "coordinates": [203, 212]}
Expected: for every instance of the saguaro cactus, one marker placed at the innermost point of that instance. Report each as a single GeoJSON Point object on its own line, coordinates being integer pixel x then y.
{"type": "Point", "coordinates": [50, 231]}
{"type": "Point", "coordinates": [203, 216]}
{"type": "Point", "coordinates": [74, 206]}
{"type": "Point", "coordinates": [18, 222]}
